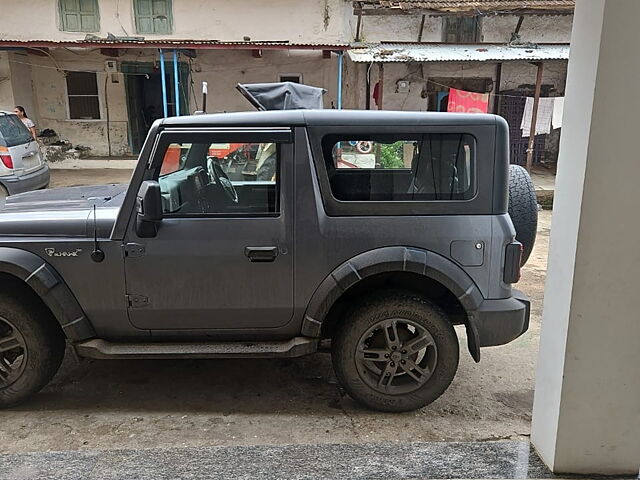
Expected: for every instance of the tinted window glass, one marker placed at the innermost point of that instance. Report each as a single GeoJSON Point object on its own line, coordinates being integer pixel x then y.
{"type": "Point", "coordinates": [220, 179]}
{"type": "Point", "coordinates": [13, 132]}
{"type": "Point", "coordinates": [387, 168]}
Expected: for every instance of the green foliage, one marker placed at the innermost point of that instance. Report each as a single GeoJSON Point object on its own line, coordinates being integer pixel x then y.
{"type": "Point", "coordinates": [391, 155]}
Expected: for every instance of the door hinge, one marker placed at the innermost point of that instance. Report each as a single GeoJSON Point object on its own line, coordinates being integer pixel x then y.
{"type": "Point", "coordinates": [135, 301]}
{"type": "Point", "coordinates": [133, 250]}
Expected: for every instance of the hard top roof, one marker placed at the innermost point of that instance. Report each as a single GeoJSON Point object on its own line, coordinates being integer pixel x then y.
{"type": "Point", "coordinates": [286, 118]}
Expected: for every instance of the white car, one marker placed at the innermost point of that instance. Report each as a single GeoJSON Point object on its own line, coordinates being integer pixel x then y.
{"type": "Point", "coordinates": [22, 167]}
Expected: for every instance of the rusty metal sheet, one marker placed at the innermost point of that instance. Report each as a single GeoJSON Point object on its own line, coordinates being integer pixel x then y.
{"type": "Point", "coordinates": [440, 52]}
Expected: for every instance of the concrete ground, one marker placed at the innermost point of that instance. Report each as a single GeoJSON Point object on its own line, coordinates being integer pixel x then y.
{"type": "Point", "coordinates": [144, 404]}
{"type": "Point", "coordinates": [544, 181]}
{"type": "Point", "coordinates": [88, 176]}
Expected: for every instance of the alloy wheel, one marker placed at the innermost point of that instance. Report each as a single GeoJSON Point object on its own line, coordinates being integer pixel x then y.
{"type": "Point", "coordinates": [396, 356]}
{"type": "Point", "coordinates": [13, 353]}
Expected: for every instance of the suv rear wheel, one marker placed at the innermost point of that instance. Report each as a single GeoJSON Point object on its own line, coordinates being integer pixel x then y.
{"type": "Point", "coordinates": [31, 349]}
{"type": "Point", "coordinates": [395, 353]}
{"type": "Point", "coordinates": [523, 209]}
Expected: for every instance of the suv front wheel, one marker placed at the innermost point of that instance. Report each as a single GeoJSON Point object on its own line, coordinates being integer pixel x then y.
{"type": "Point", "coordinates": [31, 347]}
{"type": "Point", "coordinates": [395, 353]}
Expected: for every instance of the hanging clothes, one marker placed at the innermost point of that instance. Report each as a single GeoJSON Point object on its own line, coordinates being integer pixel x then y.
{"type": "Point", "coordinates": [467, 102]}
{"type": "Point", "coordinates": [558, 110]}
{"type": "Point", "coordinates": [545, 112]}
{"type": "Point", "coordinates": [376, 93]}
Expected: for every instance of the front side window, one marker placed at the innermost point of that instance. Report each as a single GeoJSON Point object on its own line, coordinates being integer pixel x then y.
{"type": "Point", "coordinates": [220, 179]}
{"type": "Point", "coordinates": [153, 16]}
{"type": "Point", "coordinates": [389, 168]}
{"type": "Point", "coordinates": [79, 15]}
{"type": "Point", "coordinates": [82, 91]}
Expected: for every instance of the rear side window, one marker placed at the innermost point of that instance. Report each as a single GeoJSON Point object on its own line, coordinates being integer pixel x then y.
{"type": "Point", "coordinates": [423, 167]}
{"type": "Point", "coordinates": [13, 132]}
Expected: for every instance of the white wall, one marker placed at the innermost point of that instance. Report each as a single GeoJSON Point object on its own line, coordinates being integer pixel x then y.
{"type": "Point", "coordinates": [296, 21]}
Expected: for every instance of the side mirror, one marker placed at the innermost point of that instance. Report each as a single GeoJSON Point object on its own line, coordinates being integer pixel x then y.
{"type": "Point", "coordinates": [148, 208]}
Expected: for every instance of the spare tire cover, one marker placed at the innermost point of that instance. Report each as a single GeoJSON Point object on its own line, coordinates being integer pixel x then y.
{"type": "Point", "coordinates": [523, 208]}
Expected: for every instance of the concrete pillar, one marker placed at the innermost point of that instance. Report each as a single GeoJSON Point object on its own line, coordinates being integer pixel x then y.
{"type": "Point", "coordinates": [586, 414]}
{"type": "Point", "coordinates": [22, 84]}
{"type": "Point", "coordinates": [16, 84]}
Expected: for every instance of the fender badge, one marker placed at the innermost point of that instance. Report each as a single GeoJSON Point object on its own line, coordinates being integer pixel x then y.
{"type": "Point", "coordinates": [52, 252]}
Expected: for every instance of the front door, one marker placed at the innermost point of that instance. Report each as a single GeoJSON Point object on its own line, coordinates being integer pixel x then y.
{"type": "Point", "coordinates": [222, 257]}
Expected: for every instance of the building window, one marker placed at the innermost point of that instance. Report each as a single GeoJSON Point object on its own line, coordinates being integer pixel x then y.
{"type": "Point", "coordinates": [82, 92]}
{"type": "Point", "coordinates": [153, 16]}
{"type": "Point", "coordinates": [290, 77]}
{"type": "Point", "coordinates": [79, 15]}
{"type": "Point", "coordinates": [461, 29]}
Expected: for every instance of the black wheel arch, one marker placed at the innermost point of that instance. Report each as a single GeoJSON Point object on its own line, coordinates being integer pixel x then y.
{"type": "Point", "coordinates": [386, 260]}
{"type": "Point", "coordinates": [49, 286]}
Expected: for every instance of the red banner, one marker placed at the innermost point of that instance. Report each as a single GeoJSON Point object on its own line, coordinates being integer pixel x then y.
{"type": "Point", "coordinates": [467, 102]}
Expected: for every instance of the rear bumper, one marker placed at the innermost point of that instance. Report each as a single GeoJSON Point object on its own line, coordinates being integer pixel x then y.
{"type": "Point", "coordinates": [500, 321]}
{"type": "Point", "coordinates": [26, 183]}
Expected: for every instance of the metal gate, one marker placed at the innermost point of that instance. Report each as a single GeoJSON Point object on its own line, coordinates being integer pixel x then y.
{"type": "Point", "coordinates": [512, 109]}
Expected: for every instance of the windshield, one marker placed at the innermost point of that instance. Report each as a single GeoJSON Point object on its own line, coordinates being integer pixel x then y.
{"type": "Point", "coordinates": [12, 131]}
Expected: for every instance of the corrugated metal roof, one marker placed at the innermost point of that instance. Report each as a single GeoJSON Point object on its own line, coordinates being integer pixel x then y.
{"type": "Point", "coordinates": [439, 52]}
{"type": "Point", "coordinates": [479, 6]}
{"type": "Point", "coordinates": [170, 43]}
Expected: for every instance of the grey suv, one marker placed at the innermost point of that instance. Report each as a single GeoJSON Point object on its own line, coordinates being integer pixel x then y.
{"type": "Point", "coordinates": [374, 232]}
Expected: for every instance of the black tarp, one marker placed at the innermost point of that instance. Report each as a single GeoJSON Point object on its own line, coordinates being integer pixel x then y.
{"type": "Point", "coordinates": [282, 96]}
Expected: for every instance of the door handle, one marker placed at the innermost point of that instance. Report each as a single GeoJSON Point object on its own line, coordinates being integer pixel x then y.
{"type": "Point", "coordinates": [261, 254]}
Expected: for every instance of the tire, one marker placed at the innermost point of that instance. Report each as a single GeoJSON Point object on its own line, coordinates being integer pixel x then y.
{"type": "Point", "coordinates": [523, 209]}
{"type": "Point", "coordinates": [357, 337]}
{"type": "Point", "coordinates": [33, 348]}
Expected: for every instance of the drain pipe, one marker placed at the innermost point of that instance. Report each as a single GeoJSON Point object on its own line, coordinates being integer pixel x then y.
{"type": "Point", "coordinates": [175, 81]}
{"type": "Point", "coordinates": [165, 107]}
{"type": "Point", "coordinates": [340, 59]}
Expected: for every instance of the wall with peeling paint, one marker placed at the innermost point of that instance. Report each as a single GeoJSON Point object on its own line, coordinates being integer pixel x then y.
{"type": "Point", "coordinates": [514, 75]}
{"type": "Point", "coordinates": [6, 88]}
{"type": "Point", "coordinates": [50, 95]}
{"type": "Point", "coordinates": [495, 29]}
{"type": "Point", "coordinates": [535, 28]}
{"type": "Point", "coordinates": [22, 83]}
{"type": "Point", "coordinates": [222, 69]}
